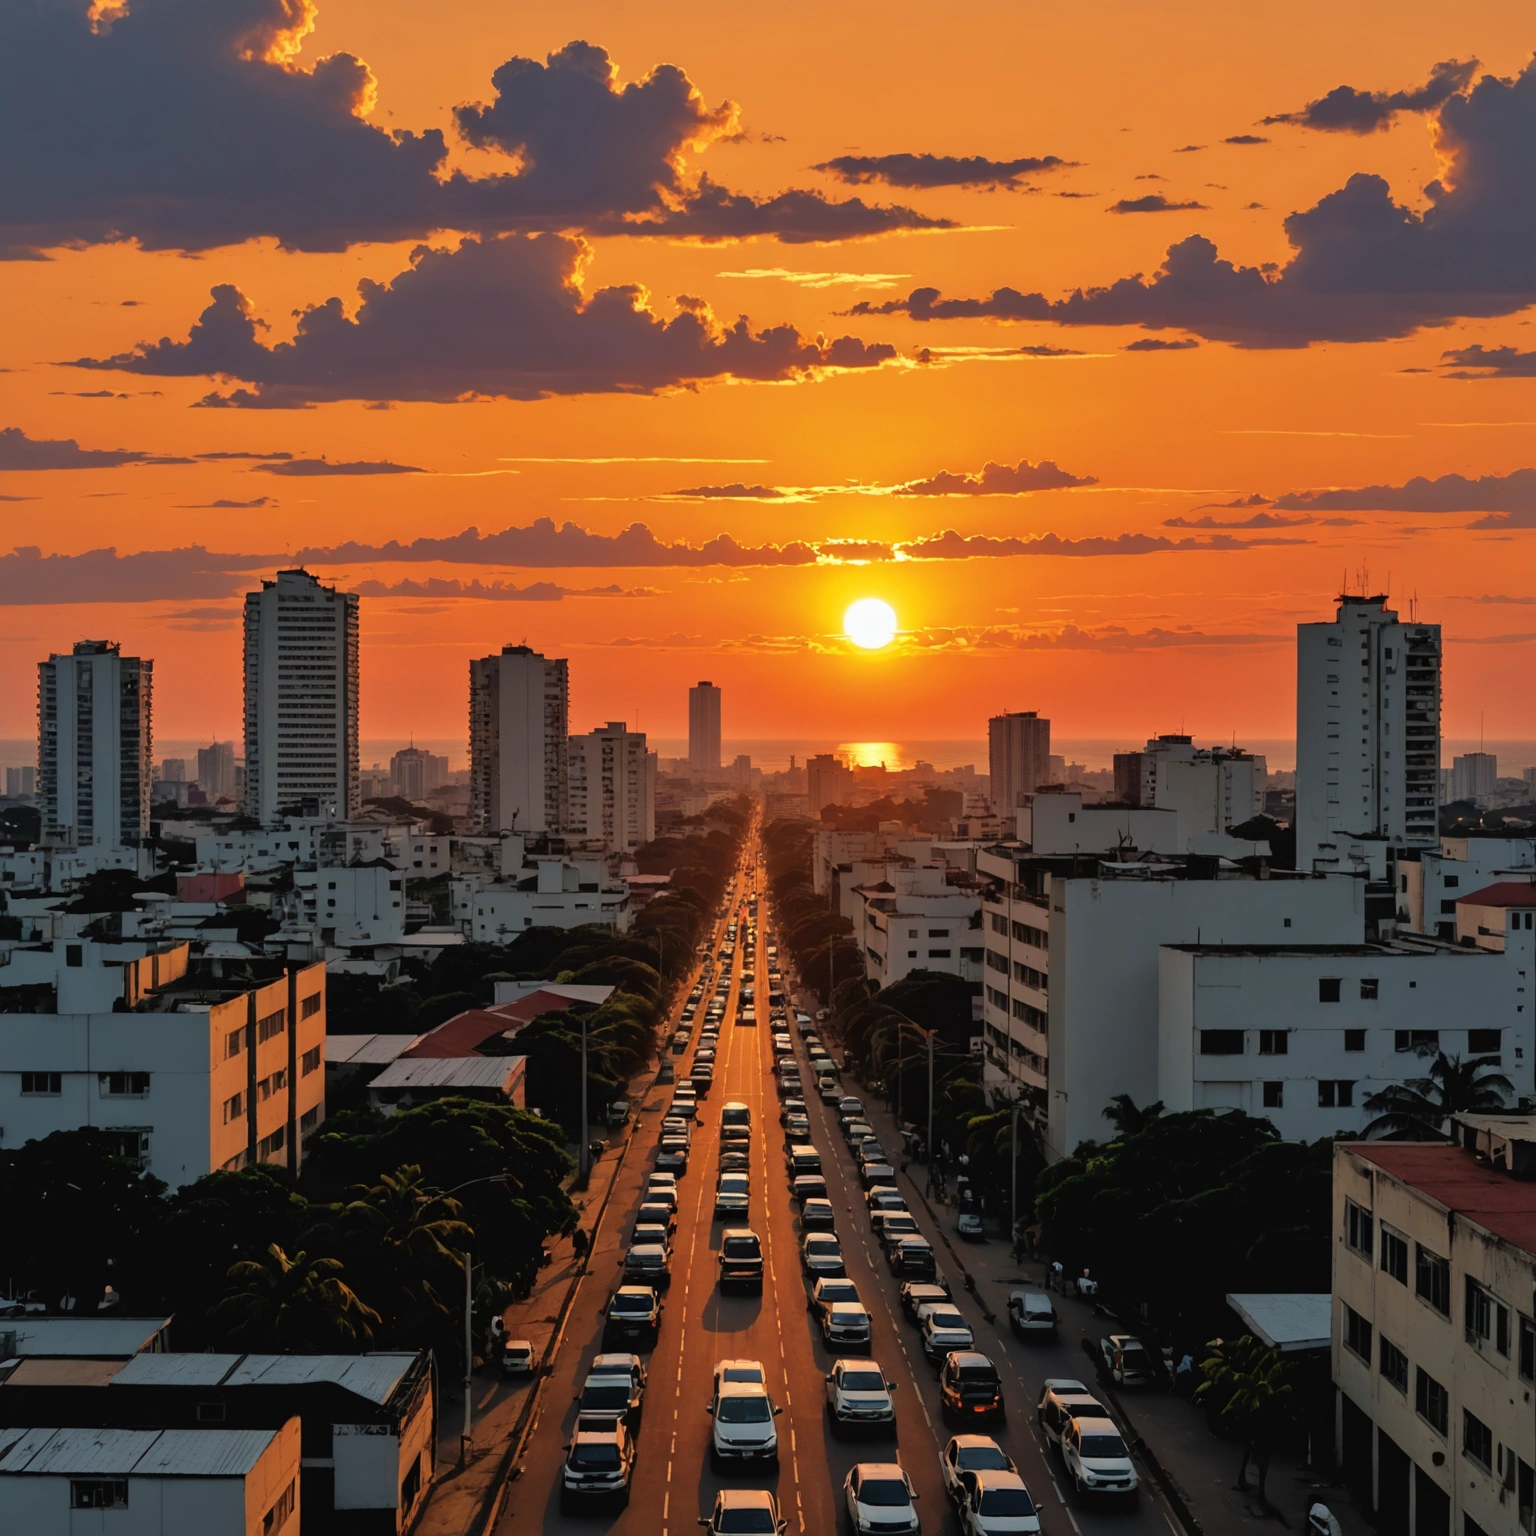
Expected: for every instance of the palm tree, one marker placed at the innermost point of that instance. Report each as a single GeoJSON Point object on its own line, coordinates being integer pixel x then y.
{"type": "Point", "coordinates": [1422, 1106]}
{"type": "Point", "coordinates": [1250, 1379]}
{"type": "Point", "coordinates": [298, 1303]}
{"type": "Point", "coordinates": [1127, 1119]}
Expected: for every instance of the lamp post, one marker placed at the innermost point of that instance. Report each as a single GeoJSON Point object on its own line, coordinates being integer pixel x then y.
{"type": "Point", "coordinates": [585, 1156]}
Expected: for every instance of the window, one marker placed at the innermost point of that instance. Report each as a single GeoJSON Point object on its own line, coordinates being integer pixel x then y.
{"type": "Point", "coordinates": [233, 1107]}
{"type": "Point", "coordinates": [1394, 1255]}
{"type": "Point", "coordinates": [1451, 882]}
{"type": "Point", "coordinates": [1432, 1279]}
{"type": "Point", "coordinates": [1335, 1093]}
{"type": "Point", "coordinates": [1274, 1095]}
{"type": "Point", "coordinates": [410, 1486]}
{"type": "Point", "coordinates": [273, 1024]}
{"type": "Point", "coordinates": [939, 954]}
{"type": "Point", "coordinates": [1359, 1228]}
{"type": "Point", "coordinates": [1370, 989]}
{"type": "Point", "coordinates": [210, 1413]}
{"type": "Point", "coordinates": [1354, 1039]}
{"type": "Point", "coordinates": [1430, 1400]}
{"type": "Point", "coordinates": [270, 1144]}
{"type": "Point", "coordinates": [277, 1517]}
{"type": "Point", "coordinates": [1274, 1042]}
{"type": "Point", "coordinates": [74, 957]}
{"type": "Point", "coordinates": [997, 962]}
{"type": "Point", "coordinates": [1394, 1365]}
{"type": "Point", "coordinates": [999, 924]}
{"type": "Point", "coordinates": [1328, 989]}
{"type": "Point", "coordinates": [42, 1084]}
{"type": "Point", "coordinates": [1028, 935]}
{"type": "Point", "coordinates": [1357, 1333]}
{"type": "Point", "coordinates": [1527, 1348]}
{"type": "Point", "coordinates": [309, 1120]}
{"type": "Point", "coordinates": [123, 1085]}
{"type": "Point", "coordinates": [1476, 1440]}
{"type": "Point", "coordinates": [938, 933]}
{"type": "Point", "coordinates": [1221, 1042]}
{"type": "Point", "coordinates": [1415, 1039]}
{"type": "Point", "coordinates": [311, 1005]}
{"type": "Point", "coordinates": [1484, 1042]}
{"type": "Point", "coordinates": [234, 1043]}
{"type": "Point", "coordinates": [98, 1493]}
{"type": "Point", "coordinates": [309, 1062]}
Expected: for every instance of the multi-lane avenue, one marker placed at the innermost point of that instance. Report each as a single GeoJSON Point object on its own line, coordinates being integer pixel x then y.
{"type": "Point", "coordinates": [674, 1482]}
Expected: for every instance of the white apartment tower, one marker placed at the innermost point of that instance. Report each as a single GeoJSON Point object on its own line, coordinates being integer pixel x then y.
{"type": "Point", "coordinates": [301, 693]}
{"type": "Point", "coordinates": [1367, 732]}
{"type": "Point", "coordinates": [216, 769]}
{"type": "Point", "coordinates": [1019, 749]}
{"type": "Point", "coordinates": [610, 792]}
{"type": "Point", "coordinates": [704, 728]}
{"type": "Point", "coordinates": [95, 745]}
{"type": "Point", "coordinates": [519, 703]}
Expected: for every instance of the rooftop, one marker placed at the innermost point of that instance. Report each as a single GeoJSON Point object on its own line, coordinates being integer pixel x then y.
{"type": "Point", "coordinates": [1456, 1181]}
{"type": "Point", "coordinates": [467, 1072]}
{"type": "Point", "coordinates": [372, 1376]}
{"type": "Point", "coordinates": [137, 1452]}
{"type": "Point", "coordinates": [1502, 893]}
{"type": "Point", "coordinates": [100, 1338]}
{"type": "Point", "coordinates": [1286, 1320]}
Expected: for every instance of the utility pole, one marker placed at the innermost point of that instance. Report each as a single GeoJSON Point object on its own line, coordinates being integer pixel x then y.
{"type": "Point", "coordinates": [1013, 1169]}
{"type": "Point", "coordinates": [931, 1149]}
{"type": "Point", "coordinates": [585, 1158]}
{"type": "Point", "coordinates": [469, 1355]}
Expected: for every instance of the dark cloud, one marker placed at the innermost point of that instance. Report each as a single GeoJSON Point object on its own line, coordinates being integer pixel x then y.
{"type": "Point", "coordinates": [1346, 110]}
{"type": "Point", "coordinates": [1156, 344]}
{"type": "Point", "coordinates": [1153, 202]}
{"type": "Point", "coordinates": [311, 467]}
{"type": "Point", "coordinates": [504, 318]}
{"type": "Point", "coordinates": [1480, 362]}
{"type": "Point", "coordinates": [1040, 351]}
{"type": "Point", "coordinates": [1246, 138]}
{"type": "Point", "coordinates": [225, 504]}
{"type": "Point", "coordinates": [230, 455]}
{"type": "Point", "coordinates": [1522, 600]}
{"type": "Point", "coordinates": [938, 170]}
{"type": "Point", "coordinates": [1189, 149]}
{"type": "Point", "coordinates": [89, 394]}
{"type": "Point", "coordinates": [998, 480]}
{"type": "Point", "coordinates": [18, 451]}
{"type": "Point", "coordinates": [104, 576]}
{"type": "Point", "coordinates": [1258, 520]}
{"type": "Point", "coordinates": [1114, 637]}
{"type": "Point", "coordinates": [1508, 500]}
{"type": "Point", "coordinates": [237, 136]}
{"type": "Point", "coordinates": [950, 545]}
{"type": "Point", "coordinates": [735, 489]}
{"type": "Point", "coordinates": [492, 591]}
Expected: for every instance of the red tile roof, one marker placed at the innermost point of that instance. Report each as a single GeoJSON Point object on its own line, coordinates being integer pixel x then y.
{"type": "Point", "coordinates": [1502, 893]}
{"type": "Point", "coordinates": [465, 1033]}
{"type": "Point", "coordinates": [1455, 1179]}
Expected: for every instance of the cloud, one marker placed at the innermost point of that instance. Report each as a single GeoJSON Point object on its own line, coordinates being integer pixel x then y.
{"type": "Point", "coordinates": [735, 490]}
{"type": "Point", "coordinates": [1480, 362]}
{"type": "Point", "coordinates": [998, 480]}
{"type": "Point", "coordinates": [28, 576]}
{"type": "Point", "coordinates": [823, 279]}
{"type": "Point", "coordinates": [950, 545]}
{"type": "Point", "coordinates": [1156, 344]}
{"type": "Point", "coordinates": [1346, 110]}
{"type": "Point", "coordinates": [218, 456]}
{"type": "Point", "coordinates": [493, 591]}
{"type": "Point", "coordinates": [311, 467]}
{"type": "Point", "coordinates": [1042, 351]}
{"type": "Point", "coordinates": [18, 451]}
{"type": "Point", "coordinates": [1510, 500]}
{"type": "Point", "coordinates": [1114, 637]}
{"type": "Point", "coordinates": [1246, 138]}
{"type": "Point", "coordinates": [1153, 202]}
{"type": "Point", "coordinates": [224, 503]}
{"type": "Point", "coordinates": [504, 318]}
{"type": "Point", "coordinates": [1524, 600]}
{"type": "Point", "coordinates": [1258, 520]}
{"type": "Point", "coordinates": [924, 170]}
{"type": "Point", "coordinates": [1366, 267]}
{"type": "Point", "coordinates": [1188, 149]}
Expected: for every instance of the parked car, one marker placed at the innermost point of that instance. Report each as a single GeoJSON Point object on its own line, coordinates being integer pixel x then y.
{"type": "Point", "coordinates": [943, 1329]}
{"type": "Point", "coordinates": [808, 1186]}
{"type": "Point", "coordinates": [879, 1497]}
{"type": "Point", "coordinates": [871, 1174]}
{"type": "Point", "coordinates": [891, 1226]}
{"type": "Point", "coordinates": [736, 1161]}
{"type": "Point", "coordinates": [650, 1232]}
{"type": "Point", "coordinates": [859, 1395]}
{"type": "Point", "coordinates": [744, 1432]}
{"type": "Point", "coordinates": [732, 1194]}
{"type": "Point", "coordinates": [796, 1128]}
{"type": "Point", "coordinates": [821, 1254]}
{"type": "Point", "coordinates": [1096, 1458]}
{"type": "Point", "coordinates": [1031, 1314]}
{"type": "Point", "coordinates": [634, 1314]}
{"type": "Point", "coordinates": [884, 1197]}
{"type": "Point", "coordinates": [913, 1256]}
{"type": "Point", "coordinates": [817, 1215]}
{"type": "Point", "coordinates": [829, 1288]}
{"type": "Point", "coordinates": [744, 1512]}
{"type": "Point", "coordinates": [802, 1158]}
{"type": "Point", "coordinates": [1128, 1361]}
{"type": "Point", "coordinates": [917, 1293]}
{"type": "Point", "coordinates": [599, 1464]}
{"type": "Point", "coordinates": [970, 1389]}
{"type": "Point", "coordinates": [1061, 1400]}
{"type": "Point", "coordinates": [648, 1264]}
{"type": "Point", "coordinates": [741, 1259]}
{"type": "Point", "coordinates": [845, 1325]}
{"type": "Point", "coordinates": [971, 1453]}
{"type": "Point", "coordinates": [518, 1358]}
{"type": "Point", "coordinates": [996, 1504]}
{"type": "Point", "coordinates": [656, 1213]}
{"type": "Point", "coordinates": [850, 1104]}
{"type": "Point", "coordinates": [673, 1156]}
{"type": "Point", "coordinates": [968, 1225]}
{"type": "Point", "coordinates": [611, 1396]}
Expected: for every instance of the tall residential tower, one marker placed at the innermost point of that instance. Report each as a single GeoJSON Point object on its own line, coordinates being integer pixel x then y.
{"type": "Point", "coordinates": [610, 791]}
{"type": "Point", "coordinates": [1019, 748]}
{"type": "Point", "coordinates": [704, 728]}
{"type": "Point", "coordinates": [519, 702]}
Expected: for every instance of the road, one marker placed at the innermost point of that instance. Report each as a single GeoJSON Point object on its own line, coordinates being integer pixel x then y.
{"type": "Point", "coordinates": [674, 1482]}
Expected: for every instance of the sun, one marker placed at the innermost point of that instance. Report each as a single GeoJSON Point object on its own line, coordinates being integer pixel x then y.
{"type": "Point", "coordinates": [870, 623]}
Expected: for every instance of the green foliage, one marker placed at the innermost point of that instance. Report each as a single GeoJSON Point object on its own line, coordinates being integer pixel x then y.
{"type": "Point", "coordinates": [1420, 1108]}
{"type": "Point", "coordinates": [297, 1303]}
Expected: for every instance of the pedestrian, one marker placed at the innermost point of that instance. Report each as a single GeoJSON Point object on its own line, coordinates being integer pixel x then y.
{"type": "Point", "coordinates": [1058, 1277]}
{"type": "Point", "coordinates": [1184, 1373]}
{"type": "Point", "coordinates": [497, 1338]}
{"type": "Point", "coordinates": [580, 1242]}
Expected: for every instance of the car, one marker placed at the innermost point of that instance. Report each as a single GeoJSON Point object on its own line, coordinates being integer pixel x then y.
{"type": "Point", "coordinates": [736, 1160]}
{"type": "Point", "coordinates": [680, 1039]}
{"type": "Point", "coordinates": [808, 1186]}
{"type": "Point", "coordinates": [648, 1264]}
{"type": "Point", "coordinates": [891, 1226]}
{"type": "Point", "coordinates": [675, 1125]}
{"type": "Point", "coordinates": [859, 1395]}
{"type": "Point", "coordinates": [1128, 1361]}
{"type": "Point", "coordinates": [738, 1137]}
{"type": "Point", "coordinates": [871, 1174]}
{"type": "Point", "coordinates": [518, 1358]}
{"type": "Point", "coordinates": [656, 1213]}
{"type": "Point", "coordinates": [661, 1194]}
{"type": "Point", "coordinates": [943, 1329]}
{"type": "Point", "coordinates": [743, 1432]}
{"type": "Point", "coordinates": [741, 1259]}
{"type": "Point", "coordinates": [599, 1464]}
{"type": "Point", "coordinates": [610, 1397]}
{"type": "Point", "coordinates": [1096, 1458]}
{"type": "Point", "coordinates": [796, 1128]}
{"type": "Point", "coordinates": [744, 1512]}
{"type": "Point", "coordinates": [970, 1389]}
{"type": "Point", "coordinates": [884, 1197]}
{"type": "Point", "coordinates": [673, 1159]}
{"type": "Point", "coordinates": [782, 1045]}
{"type": "Point", "coordinates": [968, 1225]}
{"type": "Point", "coordinates": [830, 1288]}
{"type": "Point", "coordinates": [738, 1370]}
{"type": "Point", "coordinates": [703, 1077]}
{"type": "Point", "coordinates": [996, 1504]}
{"type": "Point", "coordinates": [821, 1254]}
{"type": "Point", "coordinates": [828, 1091]}
{"type": "Point", "coordinates": [1061, 1400]}
{"type": "Point", "coordinates": [917, 1293]}
{"type": "Point", "coordinates": [634, 1313]}
{"type": "Point", "coordinates": [1031, 1315]}
{"type": "Point", "coordinates": [851, 1104]}
{"type": "Point", "coordinates": [879, 1497]}
{"type": "Point", "coordinates": [971, 1453]}
{"type": "Point", "coordinates": [802, 1158]}
{"type": "Point", "coordinates": [845, 1325]}
{"type": "Point", "coordinates": [732, 1194]}
{"type": "Point", "coordinates": [684, 1104]}
{"type": "Point", "coordinates": [618, 1365]}
{"type": "Point", "coordinates": [790, 1108]}
{"type": "Point", "coordinates": [912, 1256]}
{"type": "Point", "coordinates": [855, 1126]}
{"type": "Point", "coordinates": [870, 1151]}
{"type": "Point", "coordinates": [817, 1215]}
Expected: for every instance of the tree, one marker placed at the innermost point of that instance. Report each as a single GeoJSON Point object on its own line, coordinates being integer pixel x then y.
{"type": "Point", "coordinates": [1245, 1383]}
{"type": "Point", "coordinates": [1422, 1106]}
{"type": "Point", "coordinates": [1127, 1119]}
{"type": "Point", "coordinates": [299, 1303]}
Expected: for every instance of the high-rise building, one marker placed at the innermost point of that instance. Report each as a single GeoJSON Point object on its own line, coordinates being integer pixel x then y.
{"type": "Point", "coordinates": [216, 770]}
{"type": "Point", "coordinates": [301, 697]}
{"type": "Point", "coordinates": [415, 773]}
{"type": "Point", "coordinates": [95, 745]}
{"type": "Point", "coordinates": [1474, 776]}
{"type": "Point", "coordinates": [1211, 788]}
{"type": "Point", "coordinates": [828, 781]}
{"type": "Point", "coordinates": [1367, 732]}
{"type": "Point", "coordinates": [519, 705]}
{"type": "Point", "coordinates": [610, 788]}
{"type": "Point", "coordinates": [704, 728]}
{"type": "Point", "coordinates": [1019, 748]}
{"type": "Point", "coordinates": [21, 783]}
{"type": "Point", "coordinates": [174, 770]}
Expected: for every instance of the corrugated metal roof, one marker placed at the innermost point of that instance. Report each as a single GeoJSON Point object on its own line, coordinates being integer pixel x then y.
{"type": "Point", "coordinates": [83, 1452]}
{"type": "Point", "coordinates": [1286, 1320]}
{"type": "Point", "coordinates": [136, 1452]}
{"type": "Point", "coordinates": [367, 1050]}
{"type": "Point", "coordinates": [373, 1377]}
{"type": "Point", "coordinates": [450, 1072]}
{"type": "Point", "coordinates": [104, 1337]}
{"type": "Point", "coordinates": [205, 1452]}
{"type": "Point", "coordinates": [176, 1370]}
{"type": "Point", "coordinates": [19, 1446]}
{"type": "Point", "coordinates": [73, 1372]}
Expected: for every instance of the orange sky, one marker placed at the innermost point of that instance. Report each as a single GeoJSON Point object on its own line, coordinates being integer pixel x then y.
{"type": "Point", "coordinates": [1111, 646]}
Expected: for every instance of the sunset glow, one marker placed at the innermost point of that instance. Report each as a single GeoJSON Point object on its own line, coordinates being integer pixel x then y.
{"type": "Point", "coordinates": [870, 623]}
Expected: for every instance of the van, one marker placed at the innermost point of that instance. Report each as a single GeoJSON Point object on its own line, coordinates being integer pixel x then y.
{"type": "Point", "coordinates": [1031, 1314]}
{"type": "Point", "coordinates": [735, 1113]}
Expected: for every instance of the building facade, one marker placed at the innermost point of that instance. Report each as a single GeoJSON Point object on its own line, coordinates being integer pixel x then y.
{"type": "Point", "coordinates": [1367, 733]}
{"type": "Point", "coordinates": [1474, 776]}
{"type": "Point", "coordinates": [216, 770]}
{"type": "Point", "coordinates": [415, 773]}
{"type": "Point", "coordinates": [704, 728]}
{"type": "Point", "coordinates": [1019, 755]}
{"type": "Point", "coordinates": [301, 699]}
{"type": "Point", "coordinates": [95, 748]}
{"type": "Point", "coordinates": [1208, 788]}
{"type": "Point", "coordinates": [610, 788]}
{"type": "Point", "coordinates": [519, 706]}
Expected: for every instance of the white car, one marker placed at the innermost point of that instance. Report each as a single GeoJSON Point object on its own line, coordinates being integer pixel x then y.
{"type": "Point", "coordinates": [744, 1512]}
{"type": "Point", "coordinates": [821, 1254]}
{"type": "Point", "coordinates": [971, 1453]}
{"type": "Point", "coordinates": [845, 1325]}
{"type": "Point", "coordinates": [858, 1392]}
{"type": "Point", "coordinates": [744, 1431]}
{"type": "Point", "coordinates": [1096, 1457]}
{"type": "Point", "coordinates": [944, 1329]}
{"type": "Point", "coordinates": [996, 1504]}
{"type": "Point", "coordinates": [732, 1194]}
{"type": "Point", "coordinates": [880, 1497]}
{"type": "Point", "coordinates": [728, 1371]}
